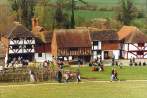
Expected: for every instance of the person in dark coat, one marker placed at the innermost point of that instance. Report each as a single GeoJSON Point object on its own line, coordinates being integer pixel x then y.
{"type": "Point", "coordinates": [59, 76]}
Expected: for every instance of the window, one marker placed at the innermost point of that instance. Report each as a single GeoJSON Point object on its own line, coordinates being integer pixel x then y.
{"type": "Point", "coordinates": [140, 52]}
{"type": "Point", "coordinates": [15, 38]}
{"type": "Point", "coordinates": [29, 38]}
{"type": "Point", "coordinates": [99, 52]}
{"type": "Point", "coordinates": [73, 49]}
{"type": "Point", "coordinates": [39, 54]}
{"type": "Point", "coordinates": [140, 44]}
{"type": "Point", "coordinates": [95, 42]}
{"type": "Point", "coordinates": [15, 46]}
{"type": "Point", "coordinates": [29, 46]}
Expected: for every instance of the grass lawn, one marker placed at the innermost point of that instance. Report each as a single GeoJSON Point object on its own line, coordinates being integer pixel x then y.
{"type": "Point", "coordinates": [126, 73]}
{"type": "Point", "coordinates": [73, 90]}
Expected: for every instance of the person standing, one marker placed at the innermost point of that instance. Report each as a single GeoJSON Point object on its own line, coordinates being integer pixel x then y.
{"type": "Point", "coordinates": [32, 76]}
{"type": "Point", "coordinates": [78, 76]}
{"type": "Point", "coordinates": [59, 76]}
{"type": "Point", "coordinates": [113, 75]}
{"type": "Point", "coordinates": [113, 60]}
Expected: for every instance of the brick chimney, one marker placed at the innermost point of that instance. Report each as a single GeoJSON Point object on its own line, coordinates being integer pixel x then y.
{"type": "Point", "coordinates": [35, 22]}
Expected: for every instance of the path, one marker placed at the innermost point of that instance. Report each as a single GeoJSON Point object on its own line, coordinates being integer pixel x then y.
{"type": "Point", "coordinates": [87, 81]}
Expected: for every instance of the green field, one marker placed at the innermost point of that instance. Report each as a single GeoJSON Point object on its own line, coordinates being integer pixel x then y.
{"type": "Point", "coordinates": [113, 2]}
{"type": "Point", "coordinates": [86, 15]}
{"type": "Point", "coordinates": [126, 73]}
{"type": "Point", "coordinates": [83, 16]}
{"type": "Point", "coordinates": [74, 90]}
{"type": "Point", "coordinates": [94, 87]}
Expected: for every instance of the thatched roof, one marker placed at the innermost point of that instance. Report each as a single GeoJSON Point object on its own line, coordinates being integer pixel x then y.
{"type": "Point", "coordinates": [17, 30]}
{"type": "Point", "coordinates": [104, 35]}
{"type": "Point", "coordinates": [42, 34]}
{"type": "Point", "coordinates": [73, 38]}
{"type": "Point", "coordinates": [131, 34]}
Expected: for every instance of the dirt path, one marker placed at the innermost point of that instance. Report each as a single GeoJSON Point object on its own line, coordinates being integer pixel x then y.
{"type": "Point", "coordinates": [86, 81]}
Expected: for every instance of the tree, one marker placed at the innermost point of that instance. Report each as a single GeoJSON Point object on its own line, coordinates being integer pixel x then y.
{"type": "Point", "coordinates": [24, 10]}
{"type": "Point", "coordinates": [126, 12]}
{"type": "Point", "coordinates": [65, 18]}
{"type": "Point", "coordinates": [6, 18]}
{"type": "Point", "coordinates": [45, 14]}
{"type": "Point", "coordinates": [61, 17]}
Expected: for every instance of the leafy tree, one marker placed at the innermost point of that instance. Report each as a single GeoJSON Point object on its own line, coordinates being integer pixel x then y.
{"type": "Point", "coordinates": [126, 12]}
{"type": "Point", "coordinates": [61, 17]}
{"type": "Point", "coordinates": [24, 10]}
{"type": "Point", "coordinates": [45, 14]}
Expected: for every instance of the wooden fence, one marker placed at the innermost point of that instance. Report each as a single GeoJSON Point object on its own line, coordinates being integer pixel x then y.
{"type": "Point", "coordinates": [22, 74]}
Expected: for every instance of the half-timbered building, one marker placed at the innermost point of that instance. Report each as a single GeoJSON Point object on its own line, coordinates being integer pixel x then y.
{"type": "Point", "coordinates": [105, 43]}
{"type": "Point", "coordinates": [133, 42]}
{"type": "Point", "coordinates": [71, 44]}
{"type": "Point", "coordinates": [19, 42]}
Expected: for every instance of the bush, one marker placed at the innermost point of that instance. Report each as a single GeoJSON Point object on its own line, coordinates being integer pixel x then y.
{"type": "Point", "coordinates": [141, 15]}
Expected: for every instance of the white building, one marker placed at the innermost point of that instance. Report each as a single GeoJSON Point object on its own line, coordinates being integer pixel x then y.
{"type": "Point", "coordinates": [19, 42]}
{"type": "Point", "coordinates": [133, 42]}
{"type": "Point", "coordinates": [105, 43]}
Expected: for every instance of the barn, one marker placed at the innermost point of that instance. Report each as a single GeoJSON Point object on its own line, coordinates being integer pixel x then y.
{"type": "Point", "coordinates": [71, 44]}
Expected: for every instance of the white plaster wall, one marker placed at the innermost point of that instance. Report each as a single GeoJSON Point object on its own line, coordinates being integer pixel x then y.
{"type": "Point", "coordinates": [102, 55]}
{"type": "Point", "coordinates": [146, 46]}
{"type": "Point", "coordinates": [95, 55]}
{"type": "Point", "coordinates": [130, 55]}
{"type": "Point", "coordinates": [97, 47]}
{"type": "Point", "coordinates": [131, 47]}
{"type": "Point", "coordinates": [100, 45]}
{"type": "Point", "coordinates": [45, 56]}
{"type": "Point", "coordinates": [32, 51]}
{"type": "Point", "coordinates": [145, 55]}
{"type": "Point", "coordinates": [116, 53]}
{"type": "Point", "coordinates": [33, 42]}
{"type": "Point", "coordinates": [19, 42]}
{"type": "Point", "coordinates": [125, 47]}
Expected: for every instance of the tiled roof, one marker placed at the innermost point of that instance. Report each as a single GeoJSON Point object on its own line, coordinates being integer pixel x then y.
{"type": "Point", "coordinates": [131, 34]}
{"type": "Point", "coordinates": [17, 30]}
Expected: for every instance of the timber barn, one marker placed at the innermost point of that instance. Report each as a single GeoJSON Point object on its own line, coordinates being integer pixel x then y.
{"type": "Point", "coordinates": [71, 44]}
